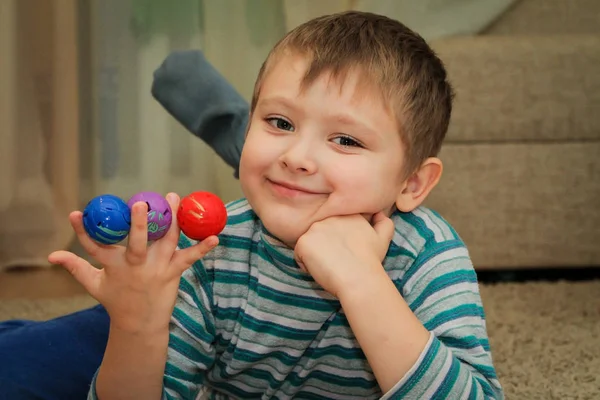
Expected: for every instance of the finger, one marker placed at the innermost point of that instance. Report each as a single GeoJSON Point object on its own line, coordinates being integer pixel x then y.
{"type": "Point", "coordinates": [135, 254]}
{"type": "Point", "coordinates": [94, 249]}
{"type": "Point", "coordinates": [384, 227]}
{"type": "Point", "coordinates": [80, 269]}
{"type": "Point", "coordinates": [298, 251]}
{"type": "Point", "coordinates": [302, 267]}
{"type": "Point", "coordinates": [183, 259]}
{"type": "Point", "coordinates": [167, 245]}
{"type": "Point", "coordinates": [172, 235]}
{"type": "Point", "coordinates": [300, 263]}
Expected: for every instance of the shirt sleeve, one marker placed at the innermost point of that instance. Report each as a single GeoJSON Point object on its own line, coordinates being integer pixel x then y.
{"type": "Point", "coordinates": [441, 289]}
{"type": "Point", "coordinates": [191, 335]}
{"type": "Point", "coordinates": [191, 349]}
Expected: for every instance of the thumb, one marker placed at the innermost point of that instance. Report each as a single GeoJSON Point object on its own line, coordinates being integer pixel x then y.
{"type": "Point", "coordinates": [298, 260]}
{"type": "Point", "coordinates": [184, 258]}
{"type": "Point", "coordinates": [80, 269]}
{"type": "Point", "coordinates": [384, 227]}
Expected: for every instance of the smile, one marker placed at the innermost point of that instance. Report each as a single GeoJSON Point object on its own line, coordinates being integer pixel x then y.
{"type": "Point", "coordinates": [289, 190]}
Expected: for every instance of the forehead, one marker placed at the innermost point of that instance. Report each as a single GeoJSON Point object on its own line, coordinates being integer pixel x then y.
{"type": "Point", "coordinates": [287, 74]}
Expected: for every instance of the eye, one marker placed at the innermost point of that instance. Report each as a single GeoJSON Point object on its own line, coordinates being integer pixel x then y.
{"type": "Point", "coordinates": [280, 123]}
{"type": "Point", "coordinates": [346, 141]}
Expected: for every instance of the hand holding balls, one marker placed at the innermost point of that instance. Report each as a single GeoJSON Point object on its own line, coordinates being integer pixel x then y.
{"type": "Point", "coordinates": [107, 218]}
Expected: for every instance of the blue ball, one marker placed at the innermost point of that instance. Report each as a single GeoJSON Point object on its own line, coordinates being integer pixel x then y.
{"type": "Point", "coordinates": [107, 219]}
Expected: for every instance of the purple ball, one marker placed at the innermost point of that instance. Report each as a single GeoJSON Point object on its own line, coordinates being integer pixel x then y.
{"type": "Point", "coordinates": [159, 213]}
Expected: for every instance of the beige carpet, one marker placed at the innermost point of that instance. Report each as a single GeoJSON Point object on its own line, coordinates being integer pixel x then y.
{"type": "Point", "coordinates": [545, 337]}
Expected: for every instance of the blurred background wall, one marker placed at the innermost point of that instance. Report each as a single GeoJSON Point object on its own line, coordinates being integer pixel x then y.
{"type": "Point", "coordinates": [77, 118]}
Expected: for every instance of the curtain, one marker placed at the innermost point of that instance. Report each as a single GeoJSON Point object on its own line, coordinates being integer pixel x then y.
{"type": "Point", "coordinates": [38, 129]}
{"type": "Point", "coordinates": [77, 118]}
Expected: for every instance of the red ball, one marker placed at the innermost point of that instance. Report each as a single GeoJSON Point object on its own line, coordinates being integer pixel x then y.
{"type": "Point", "coordinates": [201, 214]}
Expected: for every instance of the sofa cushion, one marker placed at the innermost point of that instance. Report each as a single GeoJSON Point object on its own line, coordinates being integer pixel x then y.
{"type": "Point", "coordinates": [523, 88]}
{"type": "Point", "coordinates": [523, 205]}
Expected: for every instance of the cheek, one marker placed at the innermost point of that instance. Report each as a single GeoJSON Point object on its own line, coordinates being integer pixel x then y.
{"type": "Point", "coordinates": [359, 187]}
{"type": "Point", "coordinates": [256, 154]}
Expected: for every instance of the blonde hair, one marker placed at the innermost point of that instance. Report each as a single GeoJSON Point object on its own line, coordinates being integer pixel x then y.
{"type": "Point", "coordinates": [409, 75]}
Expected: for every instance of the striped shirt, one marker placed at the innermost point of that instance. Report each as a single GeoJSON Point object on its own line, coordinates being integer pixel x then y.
{"type": "Point", "coordinates": [248, 323]}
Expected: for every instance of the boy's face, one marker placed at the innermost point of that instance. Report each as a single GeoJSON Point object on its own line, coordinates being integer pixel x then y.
{"type": "Point", "coordinates": [327, 151]}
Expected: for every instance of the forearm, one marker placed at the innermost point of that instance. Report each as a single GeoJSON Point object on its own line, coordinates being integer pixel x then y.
{"type": "Point", "coordinates": [133, 366]}
{"type": "Point", "coordinates": [388, 332]}
{"type": "Point", "coordinates": [404, 349]}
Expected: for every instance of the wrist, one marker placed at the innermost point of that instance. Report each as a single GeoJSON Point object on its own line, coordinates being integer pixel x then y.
{"type": "Point", "coordinates": [141, 321]}
{"type": "Point", "coordinates": [148, 335]}
{"type": "Point", "coordinates": [363, 288]}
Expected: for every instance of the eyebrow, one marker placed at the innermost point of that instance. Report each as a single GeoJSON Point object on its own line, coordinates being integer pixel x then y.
{"type": "Point", "coordinates": [349, 120]}
{"type": "Point", "coordinates": [276, 100]}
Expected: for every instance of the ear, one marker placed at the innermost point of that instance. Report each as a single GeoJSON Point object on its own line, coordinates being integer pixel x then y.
{"type": "Point", "coordinates": [418, 186]}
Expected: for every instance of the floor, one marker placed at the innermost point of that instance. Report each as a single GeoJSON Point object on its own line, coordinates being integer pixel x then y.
{"type": "Point", "coordinates": [37, 283]}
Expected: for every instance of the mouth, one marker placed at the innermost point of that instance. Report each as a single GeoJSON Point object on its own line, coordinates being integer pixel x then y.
{"type": "Point", "coordinates": [289, 189]}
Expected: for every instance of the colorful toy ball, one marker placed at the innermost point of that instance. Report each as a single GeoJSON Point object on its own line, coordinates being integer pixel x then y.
{"type": "Point", "coordinates": [201, 214]}
{"type": "Point", "coordinates": [107, 219]}
{"type": "Point", "coordinates": [159, 213]}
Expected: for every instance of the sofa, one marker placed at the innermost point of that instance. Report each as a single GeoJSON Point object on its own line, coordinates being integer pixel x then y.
{"type": "Point", "coordinates": [521, 182]}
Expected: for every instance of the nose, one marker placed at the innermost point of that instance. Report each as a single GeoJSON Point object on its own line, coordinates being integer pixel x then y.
{"type": "Point", "coordinates": [299, 158]}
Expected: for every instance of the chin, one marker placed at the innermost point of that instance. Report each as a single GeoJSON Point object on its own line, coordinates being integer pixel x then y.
{"type": "Point", "coordinates": [285, 229]}
{"type": "Point", "coordinates": [287, 234]}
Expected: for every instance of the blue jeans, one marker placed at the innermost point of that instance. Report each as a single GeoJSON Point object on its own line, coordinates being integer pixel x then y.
{"type": "Point", "coordinates": [52, 360]}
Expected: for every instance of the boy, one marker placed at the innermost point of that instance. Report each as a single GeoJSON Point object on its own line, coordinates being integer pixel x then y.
{"type": "Point", "coordinates": [330, 280]}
